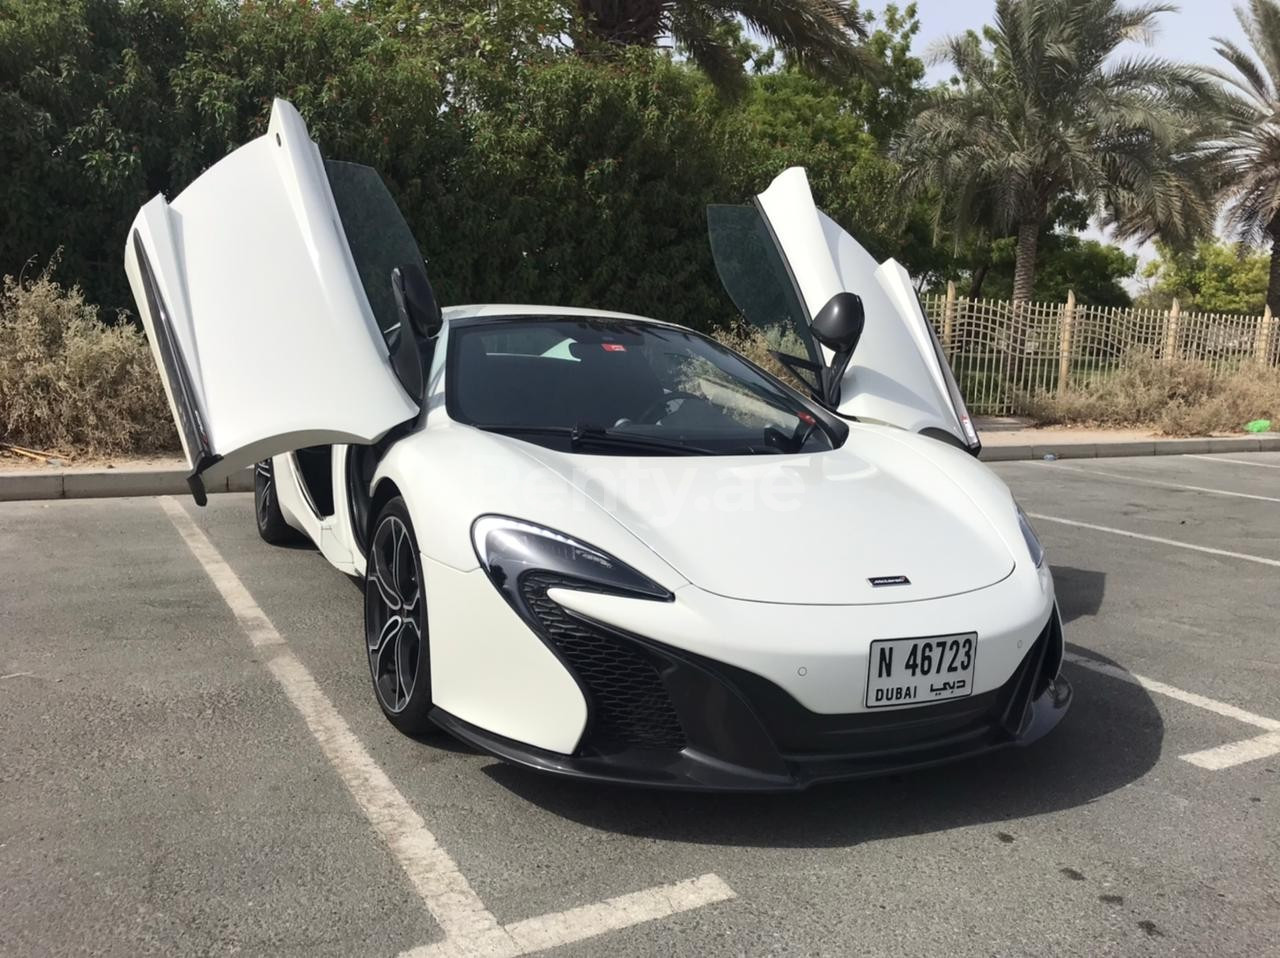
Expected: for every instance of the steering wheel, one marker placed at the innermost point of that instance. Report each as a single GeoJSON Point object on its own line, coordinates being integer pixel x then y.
{"type": "Point", "coordinates": [654, 406]}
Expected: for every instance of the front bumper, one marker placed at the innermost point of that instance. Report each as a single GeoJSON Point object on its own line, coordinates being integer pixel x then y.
{"type": "Point", "coordinates": [738, 731]}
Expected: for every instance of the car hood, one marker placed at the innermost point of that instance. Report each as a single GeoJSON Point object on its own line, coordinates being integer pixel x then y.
{"type": "Point", "coordinates": [816, 529]}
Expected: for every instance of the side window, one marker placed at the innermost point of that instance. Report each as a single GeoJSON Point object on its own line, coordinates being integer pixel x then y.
{"type": "Point", "coordinates": [379, 238]}
{"type": "Point", "coordinates": [758, 280]}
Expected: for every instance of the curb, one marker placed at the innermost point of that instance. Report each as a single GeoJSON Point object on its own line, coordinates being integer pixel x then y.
{"type": "Point", "coordinates": [1148, 447]}
{"type": "Point", "coordinates": [110, 483]}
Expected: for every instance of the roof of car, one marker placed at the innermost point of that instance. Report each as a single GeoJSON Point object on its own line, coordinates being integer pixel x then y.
{"type": "Point", "coordinates": [522, 310]}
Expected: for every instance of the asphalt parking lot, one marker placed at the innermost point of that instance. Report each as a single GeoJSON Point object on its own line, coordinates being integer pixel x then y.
{"type": "Point", "coordinates": [187, 767]}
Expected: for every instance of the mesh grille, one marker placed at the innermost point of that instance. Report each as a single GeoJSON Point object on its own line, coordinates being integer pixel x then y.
{"type": "Point", "coordinates": [630, 703]}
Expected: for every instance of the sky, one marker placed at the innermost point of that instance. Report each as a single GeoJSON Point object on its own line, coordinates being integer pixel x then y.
{"type": "Point", "coordinates": [1184, 35]}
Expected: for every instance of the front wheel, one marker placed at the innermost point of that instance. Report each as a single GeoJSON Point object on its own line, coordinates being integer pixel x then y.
{"type": "Point", "coordinates": [395, 622]}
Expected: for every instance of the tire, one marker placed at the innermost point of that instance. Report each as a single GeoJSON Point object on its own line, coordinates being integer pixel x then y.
{"type": "Point", "coordinates": [266, 508]}
{"type": "Point", "coordinates": [395, 622]}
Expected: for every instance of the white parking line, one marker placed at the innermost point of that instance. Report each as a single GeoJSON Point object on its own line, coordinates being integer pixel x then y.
{"type": "Point", "coordinates": [577, 924]}
{"type": "Point", "coordinates": [469, 927]}
{"type": "Point", "coordinates": [1263, 560]}
{"type": "Point", "coordinates": [1238, 462]}
{"type": "Point", "coordinates": [1220, 757]}
{"type": "Point", "coordinates": [1236, 753]}
{"type": "Point", "coordinates": [1156, 482]}
{"type": "Point", "coordinates": [1190, 698]}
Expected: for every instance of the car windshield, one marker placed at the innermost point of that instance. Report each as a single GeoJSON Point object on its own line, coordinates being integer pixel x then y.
{"type": "Point", "coordinates": [624, 387]}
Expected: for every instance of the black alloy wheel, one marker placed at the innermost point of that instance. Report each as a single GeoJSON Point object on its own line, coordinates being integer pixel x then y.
{"type": "Point", "coordinates": [266, 507]}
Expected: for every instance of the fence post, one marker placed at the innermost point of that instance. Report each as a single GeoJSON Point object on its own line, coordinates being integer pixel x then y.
{"type": "Point", "coordinates": [1171, 333]}
{"type": "Point", "coordinates": [1262, 343]}
{"type": "Point", "coordinates": [1064, 341]}
{"type": "Point", "coordinates": [949, 318]}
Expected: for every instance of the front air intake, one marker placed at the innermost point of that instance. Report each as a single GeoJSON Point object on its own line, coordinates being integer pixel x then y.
{"type": "Point", "coordinates": [627, 700]}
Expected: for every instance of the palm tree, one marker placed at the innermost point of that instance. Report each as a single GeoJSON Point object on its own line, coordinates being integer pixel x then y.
{"type": "Point", "coordinates": [1251, 146]}
{"type": "Point", "coordinates": [1040, 110]}
{"type": "Point", "coordinates": [824, 36]}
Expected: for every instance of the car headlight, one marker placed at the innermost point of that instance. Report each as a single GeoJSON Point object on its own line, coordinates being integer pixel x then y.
{"type": "Point", "coordinates": [509, 548]}
{"type": "Point", "coordinates": [1032, 540]}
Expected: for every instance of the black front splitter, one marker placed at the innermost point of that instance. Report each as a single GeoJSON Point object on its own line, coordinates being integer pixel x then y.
{"type": "Point", "coordinates": [694, 771]}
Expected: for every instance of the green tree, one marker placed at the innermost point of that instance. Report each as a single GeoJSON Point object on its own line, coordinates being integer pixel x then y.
{"type": "Point", "coordinates": [792, 119]}
{"type": "Point", "coordinates": [823, 36]}
{"type": "Point", "coordinates": [527, 172]}
{"type": "Point", "coordinates": [886, 97]}
{"type": "Point", "coordinates": [1094, 271]}
{"type": "Point", "coordinates": [1251, 148]}
{"type": "Point", "coordinates": [1213, 278]}
{"type": "Point", "coordinates": [586, 186]}
{"type": "Point", "coordinates": [86, 133]}
{"type": "Point", "coordinates": [1040, 109]}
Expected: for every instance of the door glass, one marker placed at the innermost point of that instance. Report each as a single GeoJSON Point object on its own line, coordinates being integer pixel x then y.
{"type": "Point", "coordinates": [379, 238]}
{"type": "Point", "coordinates": [758, 280]}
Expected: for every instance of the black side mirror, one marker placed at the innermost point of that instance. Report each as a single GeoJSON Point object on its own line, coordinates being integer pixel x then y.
{"type": "Point", "coordinates": [838, 326]}
{"type": "Point", "coordinates": [420, 321]}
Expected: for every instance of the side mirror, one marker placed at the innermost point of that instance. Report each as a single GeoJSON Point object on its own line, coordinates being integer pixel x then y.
{"type": "Point", "coordinates": [838, 326]}
{"type": "Point", "coordinates": [420, 321]}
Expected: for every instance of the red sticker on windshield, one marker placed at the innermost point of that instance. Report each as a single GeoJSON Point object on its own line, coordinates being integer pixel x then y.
{"type": "Point", "coordinates": [613, 347]}
{"type": "Point", "coordinates": [805, 418]}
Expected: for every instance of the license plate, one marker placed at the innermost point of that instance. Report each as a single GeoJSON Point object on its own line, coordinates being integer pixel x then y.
{"type": "Point", "coordinates": [920, 671]}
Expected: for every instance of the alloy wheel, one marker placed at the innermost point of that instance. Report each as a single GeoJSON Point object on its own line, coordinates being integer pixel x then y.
{"type": "Point", "coordinates": [265, 484]}
{"type": "Point", "coordinates": [393, 614]}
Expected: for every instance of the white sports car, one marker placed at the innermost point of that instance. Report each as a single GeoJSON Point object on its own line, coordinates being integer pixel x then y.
{"type": "Point", "coordinates": [597, 544]}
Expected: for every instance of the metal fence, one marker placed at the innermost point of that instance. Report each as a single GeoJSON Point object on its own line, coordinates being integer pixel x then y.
{"type": "Point", "coordinates": [1001, 351]}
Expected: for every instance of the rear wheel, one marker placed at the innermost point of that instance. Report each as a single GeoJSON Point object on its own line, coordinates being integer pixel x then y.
{"type": "Point", "coordinates": [266, 507]}
{"type": "Point", "coordinates": [395, 622]}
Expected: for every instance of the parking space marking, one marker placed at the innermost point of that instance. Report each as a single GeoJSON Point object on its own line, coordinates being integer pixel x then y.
{"type": "Point", "coordinates": [1190, 698]}
{"type": "Point", "coordinates": [1236, 753]}
{"type": "Point", "coordinates": [1156, 482]}
{"type": "Point", "coordinates": [1221, 756]}
{"type": "Point", "coordinates": [443, 888]}
{"type": "Point", "coordinates": [578, 924]}
{"type": "Point", "coordinates": [1263, 560]}
{"type": "Point", "coordinates": [257, 627]}
{"type": "Point", "coordinates": [469, 927]}
{"type": "Point", "coordinates": [1238, 462]}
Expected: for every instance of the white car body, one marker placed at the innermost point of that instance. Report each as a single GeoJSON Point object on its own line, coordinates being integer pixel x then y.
{"type": "Point", "coordinates": [254, 305]}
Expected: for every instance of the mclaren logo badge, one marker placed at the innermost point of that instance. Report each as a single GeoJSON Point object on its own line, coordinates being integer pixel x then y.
{"type": "Point", "coordinates": [880, 580]}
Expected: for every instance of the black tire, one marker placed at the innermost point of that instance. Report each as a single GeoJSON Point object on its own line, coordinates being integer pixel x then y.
{"type": "Point", "coordinates": [395, 622]}
{"type": "Point", "coordinates": [266, 508]}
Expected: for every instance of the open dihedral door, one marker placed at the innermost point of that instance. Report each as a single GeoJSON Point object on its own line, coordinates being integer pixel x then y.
{"type": "Point", "coordinates": [270, 322]}
{"type": "Point", "coordinates": [782, 259]}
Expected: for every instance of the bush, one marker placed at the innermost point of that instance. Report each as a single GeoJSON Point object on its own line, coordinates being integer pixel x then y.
{"type": "Point", "coordinates": [527, 171]}
{"type": "Point", "coordinates": [758, 345]}
{"type": "Point", "coordinates": [70, 382]}
{"type": "Point", "coordinates": [1181, 398]}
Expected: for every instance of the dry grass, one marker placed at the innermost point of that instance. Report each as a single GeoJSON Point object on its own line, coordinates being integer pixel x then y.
{"type": "Point", "coordinates": [757, 345]}
{"type": "Point", "coordinates": [71, 383]}
{"type": "Point", "coordinates": [1181, 398]}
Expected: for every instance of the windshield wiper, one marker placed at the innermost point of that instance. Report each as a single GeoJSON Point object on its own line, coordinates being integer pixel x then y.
{"type": "Point", "coordinates": [586, 434]}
